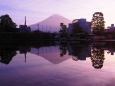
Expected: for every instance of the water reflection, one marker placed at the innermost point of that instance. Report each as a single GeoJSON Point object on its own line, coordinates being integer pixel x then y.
{"type": "Point", "coordinates": [63, 49]}
{"type": "Point", "coordinates": [6, 54]}
{"type": "Point", "coordinates": [97, 56]}
{"type": "Point", "coordinates": [79, 51]}
{"type": "Point", "coordinates": [59, 52]}
{"type": "Point", "coordinates": [24, 50]}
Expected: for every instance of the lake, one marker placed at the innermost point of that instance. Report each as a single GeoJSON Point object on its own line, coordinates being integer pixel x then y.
{"type": "Point", "coordinates": [58, 64]}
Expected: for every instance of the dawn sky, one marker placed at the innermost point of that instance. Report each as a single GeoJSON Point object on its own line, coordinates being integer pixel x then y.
{"type": "Point", "coordinates": [38, 10]}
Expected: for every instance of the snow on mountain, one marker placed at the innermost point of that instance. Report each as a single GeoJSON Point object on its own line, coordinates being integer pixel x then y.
{"type": "Point", "coordinates": [51, 24]}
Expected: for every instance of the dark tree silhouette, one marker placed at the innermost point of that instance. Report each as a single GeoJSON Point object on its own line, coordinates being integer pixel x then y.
{"type": "Point", "coordinates": [63, 30]}
{"type": "Point", "coordinates": [6, 24]}
{"type": "Point", "coordinates": [98, 23]}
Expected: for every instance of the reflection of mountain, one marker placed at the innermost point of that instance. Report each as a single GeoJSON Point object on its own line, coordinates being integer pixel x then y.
{"type": "Point", "coordinates": [51, 23]}
{"type": "Point", "coordinates": [52, 54]}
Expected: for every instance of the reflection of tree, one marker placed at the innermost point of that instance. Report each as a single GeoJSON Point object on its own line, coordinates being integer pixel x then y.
{"type": "Point", "coordinates": [97, 57]}
{"type": "Point", "coordinates": [6, 55]}
{"type": "Point", "coordinates": [63, 49]}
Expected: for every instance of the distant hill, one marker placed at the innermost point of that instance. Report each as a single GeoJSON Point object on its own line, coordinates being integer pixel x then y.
{"type": "Point", "coordinates": [52, 23]}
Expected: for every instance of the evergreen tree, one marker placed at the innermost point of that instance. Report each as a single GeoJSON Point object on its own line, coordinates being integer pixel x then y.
{"type": "Point", "coordinates": [98, 23]}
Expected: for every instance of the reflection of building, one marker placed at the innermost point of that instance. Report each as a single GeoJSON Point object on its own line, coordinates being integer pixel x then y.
{"type": "Point", "coordinates": [111, 51]}
{"type": "Point", "coordinates": [24, 28]}
{"type": "Point", "coordinates": [24, 50]}
{"type": "Point", "coordinates": [81, 53]}
{"type": "Point", "coordinates": [86, 52]}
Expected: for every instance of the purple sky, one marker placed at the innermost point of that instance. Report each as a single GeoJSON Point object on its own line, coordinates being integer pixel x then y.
{"type": "Point", "coordinates": [38, 10]}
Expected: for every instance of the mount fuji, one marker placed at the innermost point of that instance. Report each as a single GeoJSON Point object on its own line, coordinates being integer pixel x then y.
{"type": "Point", "coordinates": [51, 24]}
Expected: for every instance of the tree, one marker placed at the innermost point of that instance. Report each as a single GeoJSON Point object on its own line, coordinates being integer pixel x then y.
{"type": "Point", "coordinates": [63, 30]}
{"type": "Point", "coordinates": [97, 23]}
{"type": "Point", "coordinates": [6, 24]}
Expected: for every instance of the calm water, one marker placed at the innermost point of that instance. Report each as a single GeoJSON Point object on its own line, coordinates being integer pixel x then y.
{"type": "Point", "coordinates": [58, 64]}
